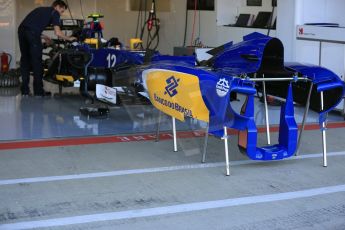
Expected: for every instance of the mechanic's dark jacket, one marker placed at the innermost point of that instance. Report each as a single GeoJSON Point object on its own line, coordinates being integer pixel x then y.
{"type": "Point", "coordinates": [41, 17]}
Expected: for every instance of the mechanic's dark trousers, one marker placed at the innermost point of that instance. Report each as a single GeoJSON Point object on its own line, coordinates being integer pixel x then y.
{"type": "Point", "coordinates": [31, 59]}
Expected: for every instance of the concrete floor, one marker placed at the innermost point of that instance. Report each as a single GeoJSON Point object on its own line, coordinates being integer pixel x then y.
{"type": "Point", "coordinates": [144, 185]}
{"type": "Point", "coordinates": [56, 117]}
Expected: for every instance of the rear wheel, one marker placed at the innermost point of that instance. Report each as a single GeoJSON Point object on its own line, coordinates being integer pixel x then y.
{"type": "Point", "coordinates": [10, 79]}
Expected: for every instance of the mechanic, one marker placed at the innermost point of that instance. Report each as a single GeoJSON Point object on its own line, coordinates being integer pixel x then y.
{"type": "Point", "coordinates": [30, 43]}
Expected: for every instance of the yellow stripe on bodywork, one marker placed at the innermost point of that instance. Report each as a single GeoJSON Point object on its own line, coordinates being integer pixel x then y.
{"type": "Point", "coordinates": [92, 41]}
{"type": "Point", "coordinates": [64, 78]}
{"type": "Point", "coordinates": [187, 102]}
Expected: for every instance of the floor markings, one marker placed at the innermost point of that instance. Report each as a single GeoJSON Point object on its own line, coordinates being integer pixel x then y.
{"type": "Point", "coordinates": [74, 141]}
{"type": "Point", "coordinates": [174, 209]}
{"type": "Point", "coordinates": [150, 170]}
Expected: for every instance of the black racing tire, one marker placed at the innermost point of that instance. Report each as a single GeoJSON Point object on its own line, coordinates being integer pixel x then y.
{"type": "Point", "coordinates": [9, 92]}
{"type": "Point", "coordinates": [9, 80]}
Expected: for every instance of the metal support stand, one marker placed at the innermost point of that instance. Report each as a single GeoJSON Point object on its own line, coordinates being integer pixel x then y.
{"type": "Point", "coordinates": [60, 89]}
{"type": "Point", "coordinates": [344, 109]}
{"type": "Point", "coordinates": [266, 114]}
{"type": "Point", "coordinates": [158, 125]}
{"type": "Point", "coordinates": [306, 111]}
{"type": "Point", "coordinates": [203, 160]}
{"type": "Point", "coordinates": [174, 133]}
{"type": "Point", "coordinates": [324, 142]}
{"type": "Point", "coordinates": [227, 165]}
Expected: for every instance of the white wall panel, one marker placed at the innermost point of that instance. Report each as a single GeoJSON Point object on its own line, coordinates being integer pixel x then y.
{"type": "Point", "coordinates": [286, 26]}
{"type": "Point", "coordinates": [316, 11]}
{"type": "Point", "coordinates": [227, 11]}
{"type": "Point", "coordinates": [333, 56]}
{"type": "Point", "coordinates": [307, 52]}
{"type": "Point", "coordinates": [335, 10]}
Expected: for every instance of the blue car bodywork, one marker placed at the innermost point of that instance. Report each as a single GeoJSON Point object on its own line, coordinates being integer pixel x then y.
{"type": "Point", "coordinates": [104, 65]}
{"type": "Point", "coordinates": [181, 89]}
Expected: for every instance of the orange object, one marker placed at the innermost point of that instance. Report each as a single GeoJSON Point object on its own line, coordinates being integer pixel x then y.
{"type": "Point", "coordinates": [5, 64]}
{"type": "Point", "coordinates": [101, 25]}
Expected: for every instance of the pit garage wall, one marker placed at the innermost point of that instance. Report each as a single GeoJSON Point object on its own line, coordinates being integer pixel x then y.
{"type": "Point", "coordinates": [8, 27]}
{"type": "Point", "coordinates": [121, 22]}
{"type": "Point", "coordinates": [212, 33]}
{"type": "Point", "coordinates": [23, 7]}
{"type": "Point", "coordinates": [332, 54]}
{"type": "Point", "coordinates": [298, 12]}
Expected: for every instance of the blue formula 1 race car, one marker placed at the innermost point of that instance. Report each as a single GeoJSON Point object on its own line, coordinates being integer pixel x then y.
{"type": "Point", "coordinates": [100, 67]}
{"type": "Point", "coordinates": [102, 72]}
{"type": "Point", "coordinates": [94, 64]}
{"type": "Point", "coordinates": [182, 89]}
{"type": "Point", "coordinates": [89, 63]}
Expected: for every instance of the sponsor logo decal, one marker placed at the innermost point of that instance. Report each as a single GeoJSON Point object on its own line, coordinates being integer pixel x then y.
{"type": "Point", "coordinates": [172, 105]}
{"type": "Point", "coordinates": [222, 87]}
{"type": "Point", "coordinates": [172, 84]}
{"type": "Point", "coordinates": [301, 31]}
{"type": "Point", "coordinates": [176, 94]}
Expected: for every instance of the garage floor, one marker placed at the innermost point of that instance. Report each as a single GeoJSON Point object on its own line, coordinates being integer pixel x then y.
{"type": "Point", "coordinates": [37, 118]}
{"type": "Point", "coordinates": [142, 184]}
